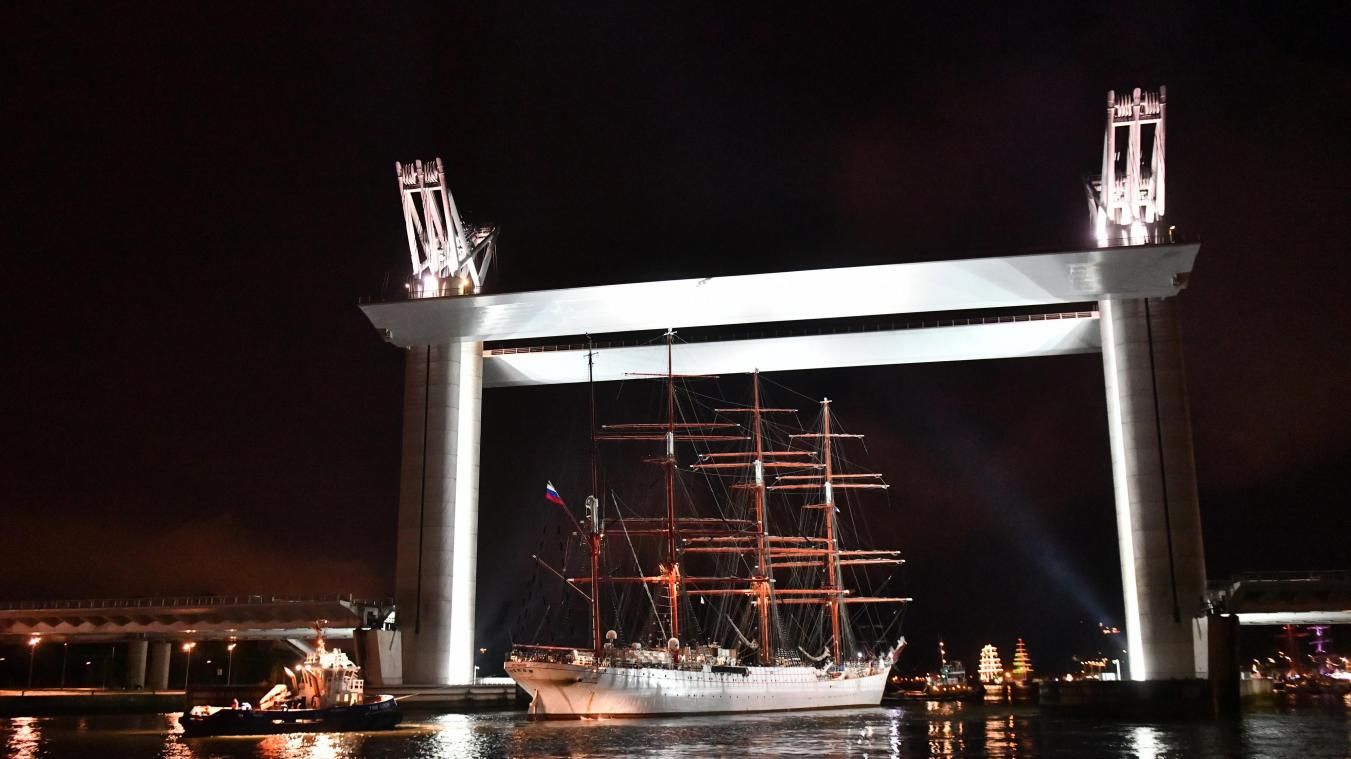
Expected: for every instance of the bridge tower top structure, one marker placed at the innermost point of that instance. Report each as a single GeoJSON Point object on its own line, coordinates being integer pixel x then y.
{"type": "Point", "coordinates": [1128, 199]}
{"type": "Point", "coordinates": [449, 257]}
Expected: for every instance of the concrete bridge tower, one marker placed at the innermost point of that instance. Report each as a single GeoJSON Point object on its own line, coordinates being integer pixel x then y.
{"type": "Point", "coordinates": [1158, 517]}
{"type": "Point", "coordinates": [438, 480]}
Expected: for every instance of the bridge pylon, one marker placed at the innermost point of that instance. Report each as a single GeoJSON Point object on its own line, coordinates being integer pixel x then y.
{"type": "Point", "coordinates": [1153, 469]}
{"type": "Point", "coordinates": [438, 483]}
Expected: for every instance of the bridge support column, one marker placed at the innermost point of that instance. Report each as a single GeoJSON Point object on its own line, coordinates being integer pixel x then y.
{"type": "Point", "coordinates": [159, 664]}
{"type": "Point", "coordinates": [136, 652]}
{"type": "Point", "coordinates": [1158, 518]}
{"type": "Point", "coordinates": [438, 512]}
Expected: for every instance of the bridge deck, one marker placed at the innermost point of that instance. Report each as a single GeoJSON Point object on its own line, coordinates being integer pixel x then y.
{"type": "Point", "coordinates": [924, 287]}
{"type": "Point", "coordinates": [1286, 598]}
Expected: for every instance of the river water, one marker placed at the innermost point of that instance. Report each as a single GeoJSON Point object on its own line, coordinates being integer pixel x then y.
{"type": "Point", "coordinates": [1321, 729]}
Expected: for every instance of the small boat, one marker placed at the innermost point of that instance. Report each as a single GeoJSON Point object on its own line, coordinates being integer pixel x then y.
{"type": "Point", "coordinates": [936, 693]}
{"type": "Point", "coordinates": [326, 694]}
{"type": "Point", "coordinates": [950, 683]}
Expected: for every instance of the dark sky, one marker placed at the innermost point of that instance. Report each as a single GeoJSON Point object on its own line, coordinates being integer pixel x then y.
{"type": "Point", "coordinates": [198, 196]}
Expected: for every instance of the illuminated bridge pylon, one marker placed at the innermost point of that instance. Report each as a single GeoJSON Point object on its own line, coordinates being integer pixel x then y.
{"type": "Point", "coordinates": [1128, 199]}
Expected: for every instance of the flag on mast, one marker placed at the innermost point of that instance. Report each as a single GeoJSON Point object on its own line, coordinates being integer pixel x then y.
{"type": "Point", "coordinates": [551, 494]}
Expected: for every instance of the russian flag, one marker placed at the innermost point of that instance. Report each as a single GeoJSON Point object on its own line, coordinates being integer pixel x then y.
{"type": "Point", "coordinates": [552, 495]}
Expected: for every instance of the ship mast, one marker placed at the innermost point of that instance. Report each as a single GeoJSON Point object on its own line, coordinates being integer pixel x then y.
{"type": "Point", "coordinates": [724, 535]}
{"type": "Point", "coordinates": [594, 527]}
{"type": "Point", "coordinates": [670, 527]}
{"type": "Point", "coordinates": [672, 537]}
{"type": "Point", "coordinates": [832, 593]}
{"type": "Point", "coordinates": [832, 583]}
{"type": "Point", "coordinates": [761, 529]}
{"type": "Point", "coordinates": [761, 543]}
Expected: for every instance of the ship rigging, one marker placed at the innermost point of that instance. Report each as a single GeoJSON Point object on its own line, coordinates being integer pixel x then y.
{"type": "Point", "coordinates": [793, 579]}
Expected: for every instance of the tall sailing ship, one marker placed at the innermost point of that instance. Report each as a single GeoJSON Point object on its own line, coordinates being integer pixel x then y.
{"type": "Point", "coordinates": [769, 553]}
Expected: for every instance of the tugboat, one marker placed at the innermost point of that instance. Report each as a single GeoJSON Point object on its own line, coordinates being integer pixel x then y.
{"type": "Point", "coordinates": [326, 694]}
{"type": "Point", "coordinates": [950, 683]}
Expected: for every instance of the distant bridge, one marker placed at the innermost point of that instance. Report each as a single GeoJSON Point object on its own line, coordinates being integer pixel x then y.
{"type": "Point", "coordinates": [149, 627]}
{"type": "Point", "coordinates": [198, 617]}
{"type": "Point", "coordinates": [1286, 598]}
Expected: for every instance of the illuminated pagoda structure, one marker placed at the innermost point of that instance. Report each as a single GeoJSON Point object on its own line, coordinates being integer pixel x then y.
{"type": "Point", "coordinates": [1022, 663]}
{"type": "Point", "coordinates": [991, 668]}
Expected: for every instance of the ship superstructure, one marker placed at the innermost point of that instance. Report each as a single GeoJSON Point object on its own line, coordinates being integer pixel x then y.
{"type": "Point", "coordinates": [788, 584]}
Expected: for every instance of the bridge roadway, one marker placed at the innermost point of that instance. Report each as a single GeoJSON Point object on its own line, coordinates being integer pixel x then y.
{"type": "Point", "coordinates": [196, 617]}
{"type": "Point", "coordinates": [1042, 279]}
{"type": "Point", "coordinates": [1286, 598]}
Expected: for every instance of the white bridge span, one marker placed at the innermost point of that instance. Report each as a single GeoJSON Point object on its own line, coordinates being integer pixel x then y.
{"type": "Point", "coordinates": [1133, 325]}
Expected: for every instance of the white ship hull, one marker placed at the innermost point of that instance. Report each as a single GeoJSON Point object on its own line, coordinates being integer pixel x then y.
{"type": "Point", "coordinates": [562, 691]}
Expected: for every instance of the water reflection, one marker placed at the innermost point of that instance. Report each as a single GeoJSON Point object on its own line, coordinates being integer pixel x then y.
{"type": "Point", "coordinates": [1145, 742]}
{"type": "Point", "coordinates": [964, 729]}
{"type": "Point", "coordinates": [176, 749]}
{"type": "Point", "coordinates": [913, 730]}
{"type": "Point", "coordinates": [945, 733]}
{"type": "Point", "coordinates": [316, 745]}
{"type": "Point", "coordinates": [24, 739]}
{"type": "Point", "coordinates": [456, 736]}
{"type": "Point", "coordinates": [1004, 736]}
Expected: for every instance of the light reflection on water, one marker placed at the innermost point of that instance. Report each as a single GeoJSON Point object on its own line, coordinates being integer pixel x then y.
{"type": "Point", "coordinates": [23, 736]}
{"type": "Point", "coordinates": [1145, 742]}
{"type": "Point", "coordinates": [948, 730]}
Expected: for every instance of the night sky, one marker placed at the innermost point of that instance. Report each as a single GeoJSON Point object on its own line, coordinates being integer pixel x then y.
{"type": "Point", "coordinates": [199, 195]}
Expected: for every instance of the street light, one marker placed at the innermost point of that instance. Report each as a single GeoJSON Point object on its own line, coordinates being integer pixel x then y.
{"type": "Point", "coordinates": [187, 663]}
{"type": "Point", "coordinates": [230, 667]}
{"type": "Point", "coordinates": [32, 653]}
{"type": "Point", "coordinates": [65, 654]}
